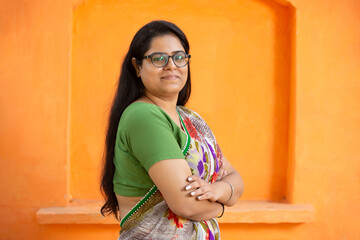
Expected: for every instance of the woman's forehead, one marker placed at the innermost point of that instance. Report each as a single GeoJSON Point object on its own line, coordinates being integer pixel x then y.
{"type": "Point", "coordinates": [168, 43]}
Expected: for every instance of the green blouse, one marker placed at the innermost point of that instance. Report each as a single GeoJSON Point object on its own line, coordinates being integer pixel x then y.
{"type": "Point", "coordinates": [145, 136]}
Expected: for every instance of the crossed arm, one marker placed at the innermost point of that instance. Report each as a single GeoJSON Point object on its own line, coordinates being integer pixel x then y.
{"type": "Point", "coordinates": [191, 197]}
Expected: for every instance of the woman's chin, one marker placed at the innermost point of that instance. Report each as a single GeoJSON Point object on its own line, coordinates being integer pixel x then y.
{"type": "Point", "coordinates": [173, 88]}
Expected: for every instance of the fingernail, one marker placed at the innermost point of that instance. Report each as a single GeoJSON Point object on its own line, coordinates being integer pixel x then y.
{"type": "Point", "coordinates": [189, 178]}
{"type": "Point", "coordinates": [192, 194]}
{"type": "Point", "coordinates": [199, 197]}
{"type": "Point", "coordinates": [188, 187]}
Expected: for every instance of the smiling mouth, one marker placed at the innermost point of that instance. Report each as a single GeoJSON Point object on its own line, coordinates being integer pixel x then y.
{"type": "Point", "coordinates": [170, 77]}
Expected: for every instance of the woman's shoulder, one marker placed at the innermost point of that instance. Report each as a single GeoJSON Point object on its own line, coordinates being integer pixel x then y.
{"type": "Point", "coordinates": [140, 107]}
{"type": "Point", "coordinates": [138, 112]}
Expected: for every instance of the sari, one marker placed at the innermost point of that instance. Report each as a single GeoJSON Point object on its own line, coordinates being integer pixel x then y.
{"type": "Point", "coordinates": [151, 218]}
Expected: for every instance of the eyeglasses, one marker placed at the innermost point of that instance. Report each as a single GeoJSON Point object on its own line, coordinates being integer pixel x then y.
{"type": "Point", "coordinates": [159, 60]}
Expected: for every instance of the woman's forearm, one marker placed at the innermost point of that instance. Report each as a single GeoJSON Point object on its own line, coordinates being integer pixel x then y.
{"type": "Point", "coordinates": [202, 210]}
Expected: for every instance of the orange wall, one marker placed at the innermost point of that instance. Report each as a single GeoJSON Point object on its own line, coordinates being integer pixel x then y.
{"type": "Point", "coordinates": [244, 86]}
{"type": "Point", "coordinates": [290, 94]}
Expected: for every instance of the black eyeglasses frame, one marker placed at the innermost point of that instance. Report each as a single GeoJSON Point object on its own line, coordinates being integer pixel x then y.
{"type": "Point", "coordinates": [167, 59]}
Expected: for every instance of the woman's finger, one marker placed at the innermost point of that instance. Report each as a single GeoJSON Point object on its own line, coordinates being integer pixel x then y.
{"type": "Point", "coordinates": [205, 196]}
{"type": "Point", "coordinates": [199, 191]}
{"type": "Point", "coordinates": [192, 178]}
{"type": "Point", "coordinates": [195, 182]}
{"type": "Point", "coordinates": [205, 193]}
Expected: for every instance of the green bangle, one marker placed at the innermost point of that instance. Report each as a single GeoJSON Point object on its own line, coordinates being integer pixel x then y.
{"type": "Point", "coordinates": [223, 210]}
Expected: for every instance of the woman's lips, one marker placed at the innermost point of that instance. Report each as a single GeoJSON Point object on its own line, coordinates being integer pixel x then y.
{"type": "Point", "coordinates": [170, 77]}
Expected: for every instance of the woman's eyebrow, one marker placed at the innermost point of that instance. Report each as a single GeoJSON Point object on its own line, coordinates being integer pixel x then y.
{"type": "Point", "coordinates": [173, 52]}
{"type": "Point", "coordinates": [178, 51]}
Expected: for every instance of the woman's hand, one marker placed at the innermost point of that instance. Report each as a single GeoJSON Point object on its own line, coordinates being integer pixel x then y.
{"type": "Point", "coordinates": [201, 189]}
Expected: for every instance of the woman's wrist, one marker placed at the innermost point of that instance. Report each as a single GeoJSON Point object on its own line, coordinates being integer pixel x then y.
{"type": "Point", "coordinates": [232, 190]}
{"type": "Point", "coordinates": [224, 191]}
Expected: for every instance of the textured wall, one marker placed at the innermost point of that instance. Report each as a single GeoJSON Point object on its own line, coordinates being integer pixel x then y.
{"type": "Point", "coordinates": [292, 91]}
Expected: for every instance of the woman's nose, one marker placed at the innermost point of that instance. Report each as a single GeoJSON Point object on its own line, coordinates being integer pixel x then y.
{"type": "Point", "coordinates": [170, 64]}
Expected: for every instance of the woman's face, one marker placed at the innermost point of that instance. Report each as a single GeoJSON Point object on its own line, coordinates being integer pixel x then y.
{"type": "Point", "coordinates": [167, 81]}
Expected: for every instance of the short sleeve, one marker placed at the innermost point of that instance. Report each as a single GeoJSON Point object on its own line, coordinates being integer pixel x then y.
{"type": "Point", "coordinates": [150, 135]}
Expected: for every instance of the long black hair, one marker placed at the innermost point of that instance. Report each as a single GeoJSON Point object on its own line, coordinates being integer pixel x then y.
{"type": "Point", "coordinates": [130, 88]}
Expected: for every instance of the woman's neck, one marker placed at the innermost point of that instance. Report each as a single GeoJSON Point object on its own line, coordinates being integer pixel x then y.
{"type": "Point", "coordinates": [168, 106]}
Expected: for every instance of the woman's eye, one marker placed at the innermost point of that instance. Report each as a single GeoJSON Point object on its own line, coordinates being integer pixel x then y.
{"type": "Point", "coordinates": [179, 57]}
{"type": "Point", "coordinates": [158, 58]}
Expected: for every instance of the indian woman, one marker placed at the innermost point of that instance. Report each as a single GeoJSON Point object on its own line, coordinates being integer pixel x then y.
{"type": "Point", "coordinates": [164, 174]}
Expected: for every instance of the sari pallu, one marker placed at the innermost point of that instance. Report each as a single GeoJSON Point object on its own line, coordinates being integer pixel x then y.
{"type": "Point", "coordinates": [151, 218]}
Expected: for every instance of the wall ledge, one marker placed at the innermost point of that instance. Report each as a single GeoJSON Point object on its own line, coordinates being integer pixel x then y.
{"type": "Point", "coordinates": [88, 212]}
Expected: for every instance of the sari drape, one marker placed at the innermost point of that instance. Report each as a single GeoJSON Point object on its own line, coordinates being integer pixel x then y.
{"type": "Point", "coordinates": [151, 218]}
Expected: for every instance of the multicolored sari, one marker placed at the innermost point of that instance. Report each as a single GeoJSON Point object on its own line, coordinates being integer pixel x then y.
{"type": "Point", "coordinates": [151, 218]}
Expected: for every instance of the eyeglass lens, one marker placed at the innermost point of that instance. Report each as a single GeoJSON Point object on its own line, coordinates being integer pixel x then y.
{"type": "Point", "coordinates": [160, 59]}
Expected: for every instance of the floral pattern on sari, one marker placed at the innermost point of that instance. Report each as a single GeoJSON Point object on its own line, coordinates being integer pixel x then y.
{"type": "Point", "coordinates": [176, 220]}
{"type": "Point", "coordinates": [151, 218]}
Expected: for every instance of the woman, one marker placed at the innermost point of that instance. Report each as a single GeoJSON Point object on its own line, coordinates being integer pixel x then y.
{"type": "Point", "coordinates": [164, 171]}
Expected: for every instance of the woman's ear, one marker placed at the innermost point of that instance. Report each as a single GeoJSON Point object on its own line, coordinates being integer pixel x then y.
{"type": "Point", "coordinates": [137, 68]}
